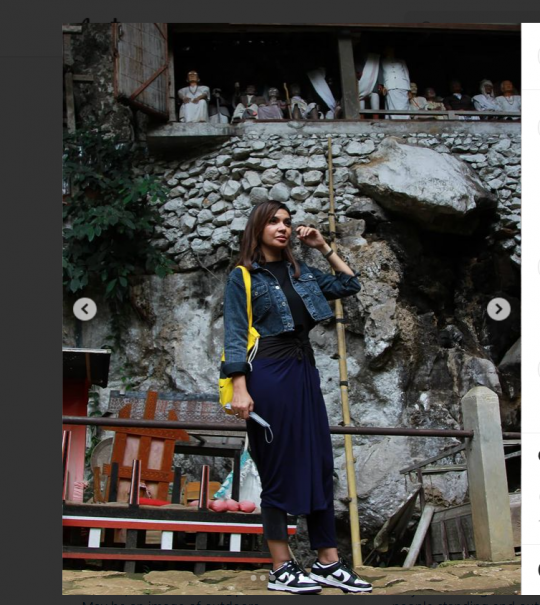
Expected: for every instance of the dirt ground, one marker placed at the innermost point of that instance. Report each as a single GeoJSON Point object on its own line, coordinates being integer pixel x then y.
{"type": "Point", "coordinates": [456, 577]}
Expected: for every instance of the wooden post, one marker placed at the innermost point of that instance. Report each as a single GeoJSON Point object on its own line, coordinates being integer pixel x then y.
{"type": "Point", "coordinates": [173, 113]}
{"type": "Point", "coordinates": [427, 540]}
{"type": "Point", "coordinates": [66, 442]}
{"type": "Point", "coordinates": [68, 54]}
{"type": "Point", "coordinates": [177, 485]}
{"type": "Point", "coordinates": [70, 102]}
{"type": "Point", "coordinates": [135, 484]}
{"type": "Point", "coordinates": [349, 83]}
{"type": "Point", "coordinates": [421, 532]}
{"type": "Point", "coordinates": [201, 540]}
{"type": "Point", "coordinates": [203, 489]}
{"type": "Point", "coordinates": [488, 486]}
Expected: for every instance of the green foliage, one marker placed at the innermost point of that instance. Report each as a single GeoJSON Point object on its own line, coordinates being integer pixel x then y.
{"type": "Point", "coordinates": [110, 219]}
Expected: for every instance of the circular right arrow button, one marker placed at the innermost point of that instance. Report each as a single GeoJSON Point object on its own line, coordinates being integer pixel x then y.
{"type": "Point", "coordinates": [499, 309]}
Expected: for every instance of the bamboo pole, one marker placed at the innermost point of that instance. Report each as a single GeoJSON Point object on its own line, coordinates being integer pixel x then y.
{"type": "Point", "coordinates": [344, 385]}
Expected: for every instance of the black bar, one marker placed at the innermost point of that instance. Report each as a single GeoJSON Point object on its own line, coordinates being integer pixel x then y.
{"type": "Point", "coordinates": [201, 544]}
{"type": "Point", "coordinates": [224, 451]}
{"type": "Point", "coordinates": [151, 513]}
{"type": "Point", "coordinates": [235, 492]}
{"type": "Point", "coordinates": [175, 498]}
{"type": "Point", "coordinates": [343, 383]}
{"type": "Point", "coordinates": [157, 552]}
{"type": "Point", "coordinates": [131, 543]}
{"type": "Point", "coordinates": [66, 444]}
{"type": "Point", "coordinates": [113, 490]}
{"type": "Point", "coordinates": [335, 430]}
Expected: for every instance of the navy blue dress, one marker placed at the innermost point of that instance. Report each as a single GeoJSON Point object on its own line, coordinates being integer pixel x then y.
{"type": "Point", "coordinates": [296, 468]}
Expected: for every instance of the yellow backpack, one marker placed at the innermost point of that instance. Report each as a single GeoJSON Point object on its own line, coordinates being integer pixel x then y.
{"type": "Point", "coordinates": [225, 384]}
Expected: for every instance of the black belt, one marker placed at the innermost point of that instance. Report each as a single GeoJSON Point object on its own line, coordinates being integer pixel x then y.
{"type": "Point", "coordinates": [285, 346]}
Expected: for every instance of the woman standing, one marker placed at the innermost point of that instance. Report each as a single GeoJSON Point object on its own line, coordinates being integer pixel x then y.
{"type": "Point", "coordinates": [283, 386]}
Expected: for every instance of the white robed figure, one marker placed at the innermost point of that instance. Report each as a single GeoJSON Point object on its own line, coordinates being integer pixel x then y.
{"type": "Point", "coordinates": [396, 83]}
{"type": "Point", "coordinates": [318, 80]}
{"type": "Point", "coordinates": [368, 82]}
{"type": "Point", "coordinates": [485, 101]}
{"type": "Point", "coordinates": [194, 99]}
{"type": "Point", "coordinates": [301, 109]}
{"type": "Point", "coordinates": [508, 101]}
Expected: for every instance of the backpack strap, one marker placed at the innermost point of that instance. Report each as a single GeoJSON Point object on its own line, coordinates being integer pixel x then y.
{"type": "Point", "coordinates": [247, 283]}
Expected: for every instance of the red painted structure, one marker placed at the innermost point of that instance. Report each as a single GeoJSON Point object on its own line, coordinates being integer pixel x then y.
{"type": "Point", "coordinates": [82, 368]}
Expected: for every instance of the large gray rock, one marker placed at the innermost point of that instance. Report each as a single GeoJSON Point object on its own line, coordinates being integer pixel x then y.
{"type": "Point", "coordinates": [220, 207]}
{"type": "Point", "coordinates": [380, 332]}
{"type": "Point", "coordinates": [225, 218]}
{"type": "Point", "coordinates": [175, 205]}
{"type": "Point", "coordinates": [200, 246]}
{"type": "Point", "coordinates": [299, 193]}
{"type": "Point", "coordinates": [258, 194]}
{"type": "Point", "coordinates": [271, 176]}
{"type": "Point", "coordinates": [322, 191]}
{"type": "Point", "coordinates": [318, 162]}
{"type": "Point", "coordinates": [230, 189]}
{"type": "Point", "coordinates": [280, 192]}
{"type": "Point", "coordinates": [221, 236]}
{"type": "Point", "coordinates": [187, 223]}
{"type": "Point", "coordinates": [437, 190]}
{"type": "Point", "coordinates": [293, 177]}
{"type": "Point", "coordinates": [292, 162]}
{"type": "Point", "coordinates": [223, 160]}
{"type": "Point", "coordinates": [313, 177]}
{"type": "Point", "coordinates": [205, 216]}
{"type": "Point", "coordinates": [312, 204]}
{"type": "Point", "coordinates": [356, 148]}
{"type": "Point", "coordinates": [177, 191]}
{"type": "Point", "coordinates": [239, 224]}
{"type": "Point", "coordinates": [242, 202]}
{"type": "Point", "coordinates": [251, 179]}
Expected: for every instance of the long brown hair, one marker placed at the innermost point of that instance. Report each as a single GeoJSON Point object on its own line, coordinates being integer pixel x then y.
{"type": "Point", "coordinates": [250, 249]}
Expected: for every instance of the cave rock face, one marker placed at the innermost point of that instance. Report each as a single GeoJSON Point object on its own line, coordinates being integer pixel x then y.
{"type": "Point", "coordinates": [438, 190]}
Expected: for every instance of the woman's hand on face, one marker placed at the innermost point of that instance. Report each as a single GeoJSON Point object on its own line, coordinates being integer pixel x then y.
{"type": "Point", "coordinates": [242, 404]}
{"type": "Point", "coordinates": [310, 236]}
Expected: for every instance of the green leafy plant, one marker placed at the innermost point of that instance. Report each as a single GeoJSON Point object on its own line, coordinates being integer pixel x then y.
{"type": "Point", "coordinates": [110, 218]}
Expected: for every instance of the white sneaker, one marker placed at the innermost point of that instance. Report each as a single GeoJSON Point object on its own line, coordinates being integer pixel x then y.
{"type": "Point", "coordinates": [339, 575]}
{"type": "Point", "coordinates": [290, 577]}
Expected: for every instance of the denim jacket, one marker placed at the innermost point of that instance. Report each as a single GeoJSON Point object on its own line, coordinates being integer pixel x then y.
{"type": "Point", "coordinates": [271, 312]}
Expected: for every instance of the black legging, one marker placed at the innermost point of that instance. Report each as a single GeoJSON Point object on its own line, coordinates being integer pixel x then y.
{"type": "Point", "coordinates": [321, 526]}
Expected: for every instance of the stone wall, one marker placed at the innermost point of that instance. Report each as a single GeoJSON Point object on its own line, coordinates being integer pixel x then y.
{"type": "Point", "coordinates": [211, 196]}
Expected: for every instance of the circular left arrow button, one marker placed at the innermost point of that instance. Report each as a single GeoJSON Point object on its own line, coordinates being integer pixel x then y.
{"type": "Point", "coordinates": [85, 309]}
